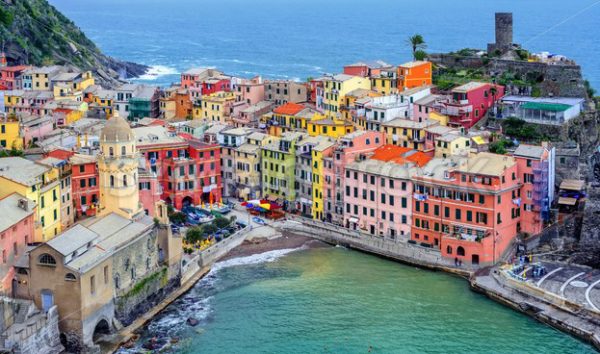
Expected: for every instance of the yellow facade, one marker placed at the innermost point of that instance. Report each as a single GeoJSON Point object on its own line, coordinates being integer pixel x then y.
{"type": "Point", "coordinates": [319, 152]}
{"type": "Point", "coordinates": [40, 81]}
{"type": "Point", "coordinates": [385, 85]}
{"type": "Point", "coordinates": [10, 136]}
{"type": "Point", "coordinates": [407, 133]}
{"type": "Point", "coordinates": [45, 191]}
{"type": "Point", "coordinates": [12, 99]}
{"type": "Point", "coordinates": [452, 145]}
{"type": "Point", "coordinates": [443, 119]}
{"type": "Point", "coordinates": [168, 107]}
{"type": "Point", "coordinates": [334, 128]}
{"type": "Point", "coordinates": [215, 107]}
{"type": "Point", "coordinates": [335, 88]}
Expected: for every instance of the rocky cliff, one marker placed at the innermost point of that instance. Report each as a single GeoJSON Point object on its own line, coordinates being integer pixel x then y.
{"type": "Point", "coordinates": [34, 32]}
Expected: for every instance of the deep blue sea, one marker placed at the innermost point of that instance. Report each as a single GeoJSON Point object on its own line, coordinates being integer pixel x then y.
{"type": "Point", "coordinates": [296, 39]}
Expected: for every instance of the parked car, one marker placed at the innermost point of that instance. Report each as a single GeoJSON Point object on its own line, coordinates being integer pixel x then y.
{"type": "Point", "coordinates": [259, 221]}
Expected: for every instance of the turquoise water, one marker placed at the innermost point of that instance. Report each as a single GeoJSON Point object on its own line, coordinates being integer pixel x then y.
{"type": "Point", "coordinates": [339, 301]}
{"type": "Point", "coordinates": [297, 39]}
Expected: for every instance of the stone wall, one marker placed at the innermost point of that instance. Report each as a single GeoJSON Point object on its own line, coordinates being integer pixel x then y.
{"type": "Point", "coordinates": [36, 332]}
{"type": "Point", "coordinates": [558, 80]}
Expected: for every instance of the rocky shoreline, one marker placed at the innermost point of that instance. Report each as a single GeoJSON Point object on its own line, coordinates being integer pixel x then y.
{"type": "Point", "coordinates": [259, 245]}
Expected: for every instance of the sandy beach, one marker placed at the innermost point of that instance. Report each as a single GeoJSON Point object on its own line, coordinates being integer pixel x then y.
{"type": "Point", "coordinates": [260, 245]}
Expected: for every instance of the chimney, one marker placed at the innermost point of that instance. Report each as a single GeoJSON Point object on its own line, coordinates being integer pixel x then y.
{"type": "Point", "coordinates": [23, 204]}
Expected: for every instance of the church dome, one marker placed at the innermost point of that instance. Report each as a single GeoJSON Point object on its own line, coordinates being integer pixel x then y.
{"type": "Point", "coordinates": [116, 130]}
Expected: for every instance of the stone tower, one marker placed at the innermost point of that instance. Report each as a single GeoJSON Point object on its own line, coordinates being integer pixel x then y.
{"type": "Point", "coordinates": [504, 32]}
{"type": "Point", "coordinates": [118, 169]}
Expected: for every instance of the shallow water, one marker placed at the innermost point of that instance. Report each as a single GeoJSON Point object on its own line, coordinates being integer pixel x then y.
{"type": "Point", "coordinates": [335, 300]}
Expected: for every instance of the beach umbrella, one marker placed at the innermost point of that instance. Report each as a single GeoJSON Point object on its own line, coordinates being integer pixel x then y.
{"type": "Point", "coordinates": [266, 206]}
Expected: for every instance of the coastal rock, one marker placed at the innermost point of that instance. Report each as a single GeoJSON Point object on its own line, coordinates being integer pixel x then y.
{"type": "Point", "coordinates": [192, 321]}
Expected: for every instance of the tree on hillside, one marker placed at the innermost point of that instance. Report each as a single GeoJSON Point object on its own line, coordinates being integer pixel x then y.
{"type": "Point", "coordinates": [417, 43]}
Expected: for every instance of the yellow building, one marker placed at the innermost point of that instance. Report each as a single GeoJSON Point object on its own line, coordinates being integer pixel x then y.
{"type": "Point", "coordinates": [386, 82]}
{"type": "Point", "coordinates": [348, 109]}
{"type": "Point", "coordinates": [443, 119]}
{"type": "Point", "coordinates": [407, 133]}
{"type": "Point", "coordinates": [36, 182]}
{"type": "Point", "coordinates": [216, 107]}
{"type": "Point", "coordinates": [10, 134]}
{"type": "Point", "coordinates": [322, 148]}
{"type": "Point", "coordinates": [104, 100]}
{"type": "Point", "coordinates": [335, 89]}
{"type": "Point", "coordinates": [70, 86]}
{"type": "Point", "coordinates": [322, 126]}
{"type": "Point", "coordinates": [38, 78]}
{"type": "Point", "coordinates": [452, 145]}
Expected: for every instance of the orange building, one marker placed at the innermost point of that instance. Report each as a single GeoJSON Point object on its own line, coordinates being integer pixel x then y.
{"type": "Point", "coordinates": [414, 74]}
{"type": "Point", "coordinates": [183, 104]}
{"type": "Point", "coordinates": [469, 208]}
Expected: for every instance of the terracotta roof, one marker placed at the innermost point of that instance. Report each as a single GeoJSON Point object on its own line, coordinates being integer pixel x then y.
{"type": "Point", "coordinates": [389, 152]}
{"type": "Point", "coordinates": [289, 109]}
{"type": "Point", "coordinates": [419, 158]}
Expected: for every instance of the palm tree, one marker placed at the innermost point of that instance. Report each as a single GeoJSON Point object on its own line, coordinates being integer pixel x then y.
{"type": "Point", "coordinates": [417, 43]}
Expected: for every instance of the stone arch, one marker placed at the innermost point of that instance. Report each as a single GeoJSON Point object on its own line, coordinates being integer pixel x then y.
{"type": "Point", "coordinates": [460, 251]}
{"type": "Point", "coordinates": [102, 328]}
{"type": "Point", "coordinates": [187, 201]}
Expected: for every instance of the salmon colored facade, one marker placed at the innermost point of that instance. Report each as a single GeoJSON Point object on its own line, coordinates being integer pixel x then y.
{"type": "Point", "coordinates": [468, 207]}
{"type": "Point", "coordinates": [414, 74]}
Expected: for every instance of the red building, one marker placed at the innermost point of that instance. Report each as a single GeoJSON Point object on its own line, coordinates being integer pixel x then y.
{"type": "Point", "coordinates": [366, 69]}
{"type": "Point", "coordinates": [204, 81]}
{"type": "Point", "coordinates": [470, 102]}
{"type": "Point", "coordinates": [468, 208]}
{"type": "Point", "coordinates": [85, 184]}
{"type": "Point", "coordinates": [188, 171]}
{"type": "Point", "coordinates": [9, 76]}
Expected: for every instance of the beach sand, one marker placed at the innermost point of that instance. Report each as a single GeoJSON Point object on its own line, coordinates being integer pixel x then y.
{"type": "Point", "coordinates": [260, 245]}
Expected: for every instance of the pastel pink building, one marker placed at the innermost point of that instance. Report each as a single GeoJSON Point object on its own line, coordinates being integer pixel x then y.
{"type": "Point", "coordinates": [426, 105]}
{"type": "Point", "coordinates": [16, 231]}
{"type": "Point", "coordinates": [470, 102]}
{"type": "Point", "coordinates": [150, 191]}
{"type": "Point", "coordinates": [378, 191]}
{"type": "Point", "coordinates": [348, 148]}
{"type": "Point", "coordinates": [204, 81]}
{"type": "Point", "coordinates": [35, 128]}
{"type": "Point", "coordinates": [249, 91]}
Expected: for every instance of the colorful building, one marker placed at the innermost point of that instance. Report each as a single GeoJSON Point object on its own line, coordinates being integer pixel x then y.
{"type": "Point", "coordinates": [365, 69]}
{"type": "Point", "coordinates": [470, 102]}
{"type": "Point", "coordinates": [452, 144]}
{"type": "Point", "coordinates": [322, 148]}
{"type": "Point", "coordinates": [378, 191]}
{"type": "Point", "coordinates": [334, 128]}
{"type": "Point", "coordinates": [248, 166]}
{"type": "Point", "coordinates": [468, 208]}
{"type": "Point", "coordinates": [336, 87]}
{"type": "Point", "coordinates": [250, 91]}
{"type": "Point", "coordinates": [217, 107]}
{"type": "Point", "coordinates": [188, 171]}
{"type": "Point", "coordinates": [407, 133]}
{"type": "Point", "coordinates": [71, 85]}
{"type": "Point", "coordinates": [285, 91]}
{"type": "Point", "coordinates": [279, 163]}
{"type": "Point", "coordinates": [10, 133]}
{"type": "Point", "coordinates": [349, 148]}
{"type": "Point", "coordinates": [36, 182]}
{"type": "Point", "coordinates": [61, 163]}
{"type": "Point", "coordinates": [16, 230]}
{"type": "Point", "coordinates": [385, 81]}
{"type": "Point", "coordinates": [86, 192]}
{"type": "Point", "coordinates": [38, 78]}
{"type": "Point", "coordinates": [414, 74]}
{"type": "Point", "coordinates": [10, 76]}
{"type": "Point", "coordinates": [204, 81]}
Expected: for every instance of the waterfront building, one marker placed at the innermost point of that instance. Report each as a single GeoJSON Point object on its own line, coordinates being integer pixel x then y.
{"type": "Point", "coordinates": [285, 91]}
{"type": "Point", "coordinates": [468, 207]}
{"type": "Point", "coordinates": [407, 133]}
{"type": "Point", "coordinates": [188, 171]}
{"type": "Point", "coordinates": [378, 191]}
{"type": "Point", "coordinates": [35, 182]}
{"type": "Point", "coordinates": [248, 166]}
{"type": "Point", "coordinates": [365, 69]}
{"type": "Point", "coordinates": [10, 133]}
{"type": "Point", "coordinates": [16, 230]}
{"type": "Point", "coordinates": [536, 166]}
{"type": "Point", "coordinates": [470, 102]}
{"type": "Point", "coordinates": [278, 170]}
{"type": "Point", "coordinates": [217, 107]}
{"type": "Point", "coordinates": [322, 148]}
{"type": "Point", "coordinates": [335, 88]}
{"type": "Point", "coordinates": [10, 76]}
{"type": "Point", "coordinates": [230, 140]}
{"type": "Point", "coordinates": [414, 74]}
{"type": "Point", "coordinates": [541, 110]}
{"type": "Point", "coordinates": [94, 270]}
{"type": "Point", "coordinates": [309, 175]}
{"type": "Point", "coordinates": [347, 149]}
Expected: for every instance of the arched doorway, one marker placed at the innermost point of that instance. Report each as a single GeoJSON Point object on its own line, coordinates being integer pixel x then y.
{"type": "Point", "coordinates": [187, 201]}
{"type": "Point", "coordinates": [168, 201]}
{"type": "Point", "coordinates": [475, 259]}
{"type": "Point", "coordinates": [460, 251]}
{"type": "Point", "coordinates": [102, 328]}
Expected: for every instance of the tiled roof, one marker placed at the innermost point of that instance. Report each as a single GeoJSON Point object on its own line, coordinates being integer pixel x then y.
{"type": "Point", "coordinates": [289, 109]}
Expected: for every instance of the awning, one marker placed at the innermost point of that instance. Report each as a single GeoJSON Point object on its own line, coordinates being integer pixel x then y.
{"type": "Point", "coordinates": [478, 140]}
{"type": "Point", "coordinates": [353, 219]}
{"type": "Point", "coordinates": [572, 184]}
{"type": "Point", "coordinates": [567, 201]}
{"type": "Point", "coordinates": [551, 107]}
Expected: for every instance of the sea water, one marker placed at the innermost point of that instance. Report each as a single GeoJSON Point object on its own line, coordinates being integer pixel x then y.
{"type": "Point", "coordinates": [335, 300]}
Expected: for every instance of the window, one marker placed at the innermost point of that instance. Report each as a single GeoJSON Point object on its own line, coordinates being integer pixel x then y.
{"type": "Point", "coordinates": [123, 150]}
{"type": "Point", "coordinates": [457, 214]}
{"type": "Point", "coordinates": [105, 274]}
{"type": "Point", "coordinates": [82, 183]}
{"type": "Point", "coordinates": [46, 259]}
{"type": "Point", "coordinates": [112, 181]}
{"type": "Point", "coordinates": [125, 180]}
{"type": "Point", "coordinates": [70, 277]}
{"type": "Point", "coordinates": [93, 284]}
